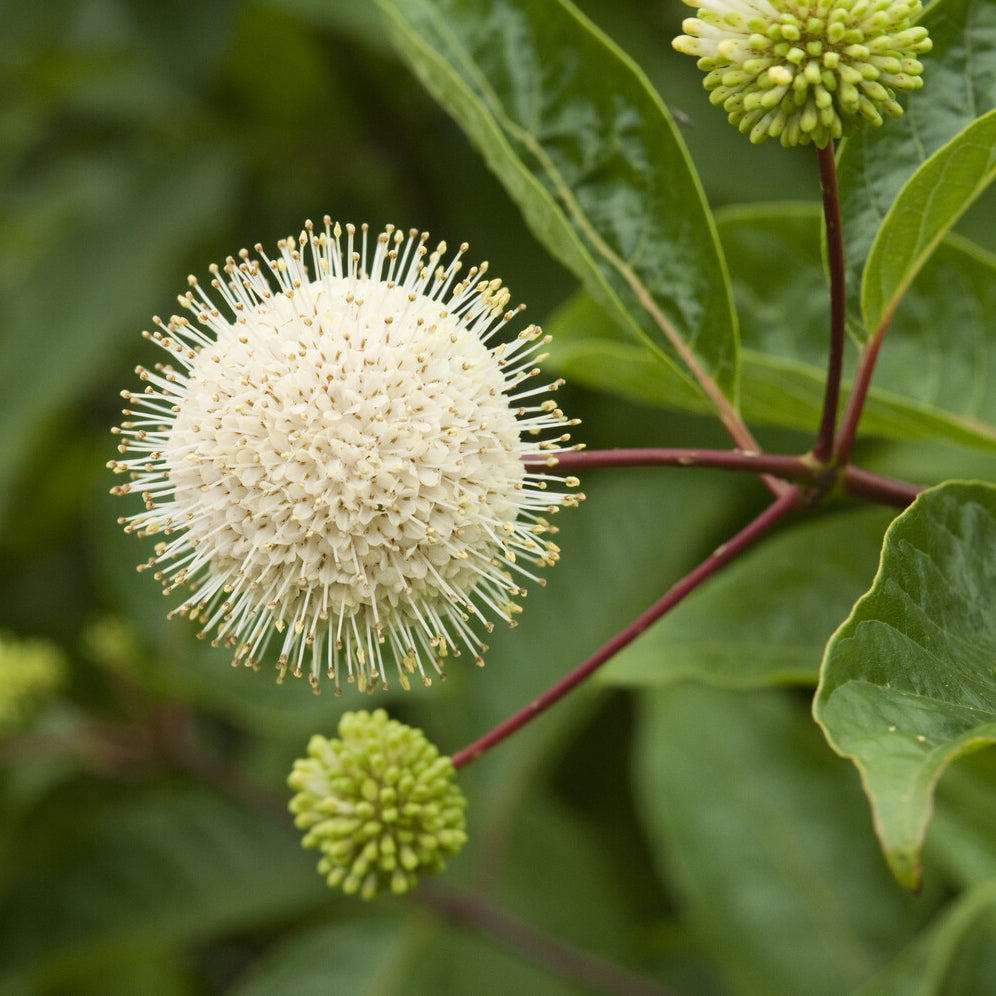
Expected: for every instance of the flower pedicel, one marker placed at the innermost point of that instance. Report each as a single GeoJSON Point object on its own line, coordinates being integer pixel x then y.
{"type": "Point", "coordinates": [337, 459]}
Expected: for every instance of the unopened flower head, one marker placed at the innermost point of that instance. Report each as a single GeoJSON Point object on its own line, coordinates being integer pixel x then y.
{"type": "Point", "coordinates": [806, 70]}
{"type": "Point", "coordinates": [379, 802]}
{"type": "Point", "coordinates": [31, 671]}
{"type": "Point", "coordinates": [333, 455]}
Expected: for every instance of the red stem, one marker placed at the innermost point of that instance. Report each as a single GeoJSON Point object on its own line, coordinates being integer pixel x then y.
{"type": "Point", "coordinates": [823, 447]}
{"type": "Point", "coordinates": [859, 392]}
{"type": "Point", "coordinates": [790, 468]}
{"type": "Point", "coordinates": [873, 487]}
{"type": "Point", "coordinates": [718, 558]}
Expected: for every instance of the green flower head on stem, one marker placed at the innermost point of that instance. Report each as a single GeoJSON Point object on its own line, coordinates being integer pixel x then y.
{"type": "Point", "coordinates": [379, 802]}
{"type": "Point", "coordinates": [806, 71]}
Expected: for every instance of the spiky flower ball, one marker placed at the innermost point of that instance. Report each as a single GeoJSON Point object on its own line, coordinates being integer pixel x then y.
{"type": "Point", "coordinates": [379, 802]}
{"type": "Point", "coordinates": [334, 456]}
{"type": "Point", "coordinates": [806, 71]}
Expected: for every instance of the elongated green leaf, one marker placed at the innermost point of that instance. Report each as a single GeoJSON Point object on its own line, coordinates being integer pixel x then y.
{"type": "Point", "coordinates": [926, 208]}
{"type": "Point", "coordinates": [941, 960]}
{"type": "Point", "coordinates": [959, 85]}
{"type": "Point", "coordinates": [763, 839]}
{"type": "Point", "coordinates": [934, 377]}
{"type": "Point", "coordinates": [908, 682]}
{"type": "Point", "coordinates": [589, 152]}
{"type": "Point", "coordinates": [739, 634]}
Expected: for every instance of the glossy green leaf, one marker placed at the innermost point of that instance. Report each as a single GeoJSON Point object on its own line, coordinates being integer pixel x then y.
{"type": "Point", "coordinates": [927, 207]}
{"type": "Point", "coordinates": [935, 372]}
{"type": "Point", "coordinates": [959, 85]}
{"type": "Point", "coordinates": [762, 836]}
{"type": "Point", "coordinates": [908, 682]}
{"type": "Point", "coordinates": [933, 379]}
{"type": "Point", "coordinates": [766, 618]}
{"type": "Point", "coordinates": [592, 158]}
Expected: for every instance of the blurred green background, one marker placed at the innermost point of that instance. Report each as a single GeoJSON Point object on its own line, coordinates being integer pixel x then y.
{"type": "Point", "coordinates": [143, 844]}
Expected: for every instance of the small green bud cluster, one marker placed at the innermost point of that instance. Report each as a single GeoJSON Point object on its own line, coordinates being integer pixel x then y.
{"type": "Point", "coordinates": [379, 802]}
{"type": "Point", "coordinates": [806, 71]}
{"type": "Point", "coordinates": [30, 672]}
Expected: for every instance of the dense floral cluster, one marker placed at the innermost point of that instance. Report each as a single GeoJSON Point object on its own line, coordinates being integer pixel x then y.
{"type": "Point", "coordinates": [334, 457]}
{"type": "Point", "coordinates": [379, 802]}
{"type": "Point", "coordinates": [806, 71]}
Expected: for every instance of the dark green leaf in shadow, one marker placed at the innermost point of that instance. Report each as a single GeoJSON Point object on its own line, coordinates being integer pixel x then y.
{"type": "Point", "coordinates": [766, 618]}
{"type": "Point", "coordinates": [592, 158]}
{"type": "Point", "coordinates": [361, 955]}
{"type": "Point", "coordinates": [167, 868]}
{"type": "Point", "coordinates": [95, 289]}
{"type": "Point", "coordinates": [959, 85]}
{"type": "Point", "coordinates": [763, 838]}
{"type": "Point", "coordinates": [955, 954]}
{"type": "Point", "coordinates": [961, 843]}
{"type": "Point", "coordinates": [908, 682]}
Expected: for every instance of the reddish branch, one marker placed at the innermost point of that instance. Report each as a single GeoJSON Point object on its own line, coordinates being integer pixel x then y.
{"type": "Point", "coordinates": [718, 558]}
{"type": "Point", "coordinates": [823, 447]}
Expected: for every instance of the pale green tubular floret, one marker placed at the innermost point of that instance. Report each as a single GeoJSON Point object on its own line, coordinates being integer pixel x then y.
{"type": "Point", "coordinates": [804, 71]}
{"type": "Point", "coordinates": [379, 802]}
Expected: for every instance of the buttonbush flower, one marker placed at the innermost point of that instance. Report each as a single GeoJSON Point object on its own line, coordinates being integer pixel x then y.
{"type": "Point", "coordinates": [379, 802]}
{"type": "Point", "coordinates": [333, 456]}
{"type": "Point", "coordinates": [806, 70]}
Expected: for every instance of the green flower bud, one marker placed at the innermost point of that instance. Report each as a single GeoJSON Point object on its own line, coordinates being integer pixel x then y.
{"type": "Point", "coordinates": [380, 803]}
{"type": "Point", "coordinates": [806, 70]}
{"type": "Point", "coordinates": [30, 672]}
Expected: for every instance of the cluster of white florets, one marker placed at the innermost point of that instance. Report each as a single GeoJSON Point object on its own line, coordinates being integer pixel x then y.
{"type": "Point", "coordinates": [337, 461]}
{"type": "Point", "coordinates": [806, 71]}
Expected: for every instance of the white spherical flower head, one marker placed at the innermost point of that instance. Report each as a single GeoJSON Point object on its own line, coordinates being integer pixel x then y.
{"type": "Point", "coordinates": [334, 458]}
{"type": "Point", "coordinates": [806, 71]}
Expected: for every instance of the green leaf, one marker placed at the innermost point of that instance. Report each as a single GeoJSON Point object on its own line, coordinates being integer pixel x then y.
{"type": "Point", "coordinates": [592, 159]}
{"type": "Point", "coordinates": [362, 956]}
{"type": "Point", "coordinates": [944, 958]}
{"type": "Point", "coordinates": [933, 378]}
{"type": "Point", "coordinates": [83, 304]}
{"type": "Point", "coordinates": [933, 381]}
{"type": "Point", "coordinates": [961, 843]}
{"type": "Point", "coordinates": [590, 349]}
{"type": "Point", "coordinates": [736, 633]}
{"type": "Point", "coordinates": [908, 682]}
{"type": "Point", "coordinates": [958, 86]}
{"type": "Point", "coordinates": [763, 838]}
{"type": "Point", "coordinates": [926, 208]}
{"type": "Point", "coordinates": [165, 868]}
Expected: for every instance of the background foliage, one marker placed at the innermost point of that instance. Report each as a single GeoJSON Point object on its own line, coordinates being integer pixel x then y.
{"type": "Point", "coordinates": [683, 819]}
